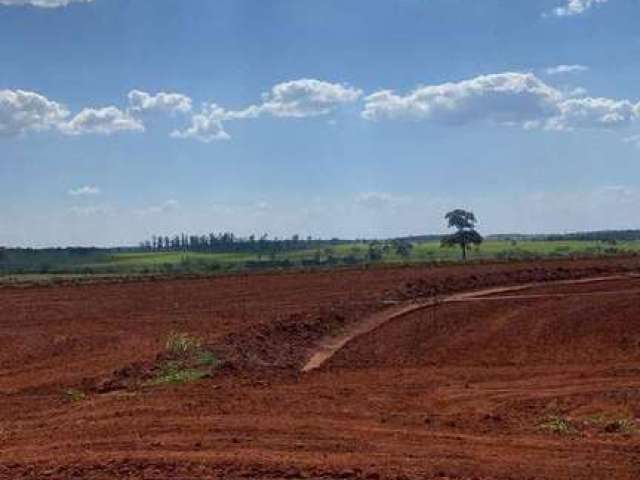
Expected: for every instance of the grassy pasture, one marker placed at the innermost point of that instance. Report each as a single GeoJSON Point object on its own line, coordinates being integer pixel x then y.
{"type": "Point", "coordinates": [106, 262]}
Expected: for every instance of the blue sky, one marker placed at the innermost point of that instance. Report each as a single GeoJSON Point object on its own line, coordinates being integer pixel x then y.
{"type": "Point", "coordinates": [120, 119]}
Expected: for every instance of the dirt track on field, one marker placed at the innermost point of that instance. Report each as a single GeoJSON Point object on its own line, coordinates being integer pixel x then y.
{"type": "Point", "coordinates": [333, 344]}
{"type": "Point", "coordinates": [539, 383]}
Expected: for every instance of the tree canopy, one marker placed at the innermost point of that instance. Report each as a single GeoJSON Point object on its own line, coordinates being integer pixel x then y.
{"type": "Point", "coordinates": [464, 222]}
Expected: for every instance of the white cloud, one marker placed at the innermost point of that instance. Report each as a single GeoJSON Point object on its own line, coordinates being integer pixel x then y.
{"type": "Point", "coordinates": [295, 99]}
{"type": "Point", "coordinates": [165, 207]}
{"type": "Point", "coordinates": [104, 121]}
{"type": "Point", "coordinates": [42, 3]}
{"type": "Point", "coordinates": [589, 112]}
{"type": "Point", "coordinates": [500, 98]}
{"type": "Point", "coordinates": [84, 190]}
{"type": "Point", "coordinates": [140, 101]}
{"type": "Point", "coordinates": [206, 126]}
{"type": "Point", "coordinates": [510, 98]}
{"type": "Point", "coordinates": [560, 69]}
{"type": "Point", "coordinates": [576, 92]}
{"type": "Point", "coordinates": [22, 111]}
{"type": "Point", "coordinates": [576, 7]}
{"type": "Point", "coordinates": [307, 97]}
{"type": "Point", "coordinates": [504, 98]}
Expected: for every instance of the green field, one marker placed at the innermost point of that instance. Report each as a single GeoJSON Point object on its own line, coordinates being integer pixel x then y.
{"type": "Point", "coordinates": [109, 262]}
{"type": "Point", "coordinates": [422, 252]}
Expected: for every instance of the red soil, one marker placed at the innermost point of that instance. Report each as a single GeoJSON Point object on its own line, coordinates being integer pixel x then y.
{"type": "Point", "coordinates": [464, 390]}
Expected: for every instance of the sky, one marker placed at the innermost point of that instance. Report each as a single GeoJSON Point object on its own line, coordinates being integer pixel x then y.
{"type": "Point", "coordinates": [121, 119]}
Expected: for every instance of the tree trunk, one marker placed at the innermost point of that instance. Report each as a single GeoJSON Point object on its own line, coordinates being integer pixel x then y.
{"type": "Point", "coordinates": [463, 246]}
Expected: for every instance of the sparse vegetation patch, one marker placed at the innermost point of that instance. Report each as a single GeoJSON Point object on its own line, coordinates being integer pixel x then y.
{"type": "Point", "coordinates": [185, 360]}
{"type": "Point", "coordinates": [558, 424]}
{"type": "Point", "coordinates": [612, 424]}
{"type": "Point", "coordinates": [182, 344]}
{"type": "Point", "coordinates": [74, 395]}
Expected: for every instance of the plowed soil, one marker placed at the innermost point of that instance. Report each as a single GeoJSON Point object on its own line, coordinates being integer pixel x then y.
{"type": "Point", "coordinates": [542, 382]}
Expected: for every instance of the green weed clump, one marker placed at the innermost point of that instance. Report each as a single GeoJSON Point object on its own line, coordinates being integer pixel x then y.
{"type": "Point", "coordinates": [74, 395]}
{"type": "Point", "coordinates": [189, 361]}
{"type": "Point", "coordinates": [175, 373]}
{"type": "Point", "coordinates": [611, 424]}
{"type": "Point", "coordinates": [207, 359]}
{"type": "Point", "coordinates": [558, 425]}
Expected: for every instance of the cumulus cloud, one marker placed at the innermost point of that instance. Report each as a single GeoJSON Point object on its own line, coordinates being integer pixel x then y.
{"type": "Point", "coordinates": [103, 121]}
{"type": "Point", "coordinates": [510, 98]}
{"type": "Point", "coordinates": [576, 7]}
{"type": "Point", "coordinates": [22, 111]}
{"type": "Point", "coordinates": [42, 3]}
{"type": "Point", "coordinates": [206, 126]}
{"type": "Point", "coordinates": [140, 101]}
{"type": "Point", "coordinates": [295, 99]}
{"type": "Point", "coordinates": [589, 112]}
{"type": "Point", "coordinates": [560, 69]}
{"type": "Point", "coordinates": [505, 98]}
{"type": "Point", "coordinates": [84, 190]}
{"type": "Point", "coordinates": [306, 97]}
{"type": "Point", "coordinates": [502, 98]}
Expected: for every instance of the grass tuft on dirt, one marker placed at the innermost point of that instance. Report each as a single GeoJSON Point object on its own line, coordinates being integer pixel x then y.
{"type": "Point", "coordinates": [182, 344]}
{"type": "Point", "coordinates": [174, 373]}
{"type": "Point", "coordinates": [613, 424]}
{"type": "Point", "coordinates": [187, 360]}
{"type": "Point", "coordinates": [558, 425]}
{"type": "Point", "coordinates": [74, 395]}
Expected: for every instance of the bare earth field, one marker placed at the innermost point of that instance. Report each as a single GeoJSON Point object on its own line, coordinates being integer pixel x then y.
{"type": "Point", "coordinates": [415, 373]}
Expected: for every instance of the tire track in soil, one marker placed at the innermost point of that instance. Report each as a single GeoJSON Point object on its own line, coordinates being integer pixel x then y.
{"type": "Point", "coordinates": [333, 344]}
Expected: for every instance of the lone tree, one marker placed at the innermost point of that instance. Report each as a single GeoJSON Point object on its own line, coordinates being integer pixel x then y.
{"type": "Point", "coordinates": [464, 222]}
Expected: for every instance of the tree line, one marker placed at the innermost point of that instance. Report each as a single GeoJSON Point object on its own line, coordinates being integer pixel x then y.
{"type": "Point", "coordinates": [228, 242]}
